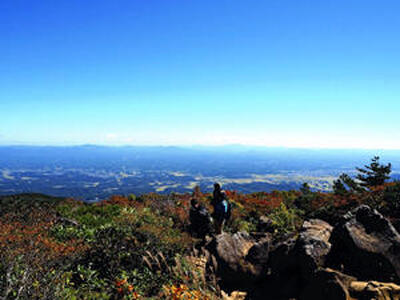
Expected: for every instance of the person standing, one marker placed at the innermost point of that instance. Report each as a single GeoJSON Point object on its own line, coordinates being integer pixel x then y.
{"type": "Point", "coordinates": [221, 208]}
{"type": "Point", "coordinates": [200, 219]}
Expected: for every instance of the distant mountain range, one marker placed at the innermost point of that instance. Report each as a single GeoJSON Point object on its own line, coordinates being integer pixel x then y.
{"type": "Point", "coordinates": [95, 172]}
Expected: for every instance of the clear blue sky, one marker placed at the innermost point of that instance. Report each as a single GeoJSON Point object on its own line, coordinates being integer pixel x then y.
{"type": "Point", "coordinates": [275, 73]}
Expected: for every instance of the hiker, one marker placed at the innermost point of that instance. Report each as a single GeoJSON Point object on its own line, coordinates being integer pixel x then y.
{"type": "Point", "coordinates": [200, 219]}
{"type": "Point", "coordinates": [217, 194]}
{"type": "Point", "coordinates": [221, 208]}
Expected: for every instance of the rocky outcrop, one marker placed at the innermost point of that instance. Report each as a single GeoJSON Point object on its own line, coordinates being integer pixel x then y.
{"type": "Point", "coordinates": [374, 290]}
{"type": "Point", "coordinates": [329, 284]}
{"type": "Point", "coordinates": [366, 245]}
{"type": "Point", "coordinates": [312, 246]}
{"type": "Point", "coordinates": [294, 262]}
{"type": "Point", "coordinates": [235, 295]}
{"type": "Point", "coordinates": [239, 259]}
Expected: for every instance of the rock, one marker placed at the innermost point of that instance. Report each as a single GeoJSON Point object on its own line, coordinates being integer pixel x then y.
{"type": "Point", "coordinates": [316, 229]}
{"type": "Point", "coordinates": [374, 290]}
{"type": "Point", "coordinates": [239, 259]}
{"type": "Point", "coordinates": [235, 295]}
{"type": "Point", "coordinates": [66, 221]}
{"type": "Point", "coordinates": [294, 262]}
{"type": "Point", "coordinates": [366, 245]}
{"type": "Point", "coordinates": [327, 284]}
{"type": "Point", "coordinates": [312, 246]}
{"type": "Point", "coordinates": [280, 258]}
{"type": "Point", "coordinates": [285, 273]}
{"type": "Point", "coordinates": [265, 224]}
{"type": "Point", "coordinates": [396, 224]}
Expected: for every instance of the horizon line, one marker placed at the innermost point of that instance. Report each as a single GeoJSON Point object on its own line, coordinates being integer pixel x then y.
{"type": "Point", "coordinates": [194, 146]}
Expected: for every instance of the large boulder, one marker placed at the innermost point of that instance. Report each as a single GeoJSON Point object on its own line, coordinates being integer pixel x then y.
{"type": "Point", "coordinates": [366, 245]}
{"type": "Point", "coordinates": [239, 259]}
{"type": "Point", "coordinates": [327, 284]}
{"type": "Point", "coordinates": [307, 252]}
{"type": "Point", "coordinates": [294, 262]}
{"type": "Point", "coordinates": [312, 245]}
{"type": "Point", "coordinates": [285, 275]}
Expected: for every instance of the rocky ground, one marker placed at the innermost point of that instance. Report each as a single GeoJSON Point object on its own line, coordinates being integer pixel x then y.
{"type": "Point", "coordinates": [359, 258]}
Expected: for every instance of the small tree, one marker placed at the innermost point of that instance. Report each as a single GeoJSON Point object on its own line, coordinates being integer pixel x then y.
{"type": "Point", "coordinates": [305, 188]}
{"type": "Point", "coordinates": [338, 187]}
{"type": "Point", "coordinates": [345, 184]}
{"type": "Point", "coordinates": [374, 174]}
{"type": "Point", "coordinates": [305, 199]}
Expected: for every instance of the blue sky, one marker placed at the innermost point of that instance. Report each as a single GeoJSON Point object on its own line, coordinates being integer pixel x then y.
{"type": "Point", "coordinates": [322, 74]}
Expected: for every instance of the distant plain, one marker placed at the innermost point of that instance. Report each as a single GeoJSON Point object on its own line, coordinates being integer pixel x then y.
{"type": "Point", "coordinates": [92, 172]}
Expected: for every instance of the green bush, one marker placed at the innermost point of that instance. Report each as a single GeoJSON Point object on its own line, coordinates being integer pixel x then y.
{"type": "Point", "coordinates": [87, 285]}
{"type": "Point", "coordinates": [285, 220]}
{"type": "Point", "coordinates": [90, 215]}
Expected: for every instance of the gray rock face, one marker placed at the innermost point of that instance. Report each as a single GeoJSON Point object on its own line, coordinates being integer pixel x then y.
{"type": "Point", "coordinates": [239, 258]}
{"type": "Point", "coordinates": [354, 260]}
{"type": "Point", "coordinates": [366, 245]}
{"type": "Point", "coordinates": [312, 246]}
{"type": "Point", "coordinates": [294, 262]}
{"type": "Point", "coordinates": [265, 224]}
{"type": "Point", "coordinates": [327, 285]}
{"type": "Point", "coordinates": [306, 253]}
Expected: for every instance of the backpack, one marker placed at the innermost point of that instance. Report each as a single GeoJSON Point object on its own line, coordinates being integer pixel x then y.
{"type": "Point", "coordinates": [224, 208]}
{"type": "Point", "coordinates": [228, 209]}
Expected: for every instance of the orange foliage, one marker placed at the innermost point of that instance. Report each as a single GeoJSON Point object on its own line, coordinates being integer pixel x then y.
{"type": "Point", "coordinates": [19, 239]}
{"type": "Point", "coordinates": [32, 236]}
{"type": "Point", "coordinates": [117, 200]}
{"type": "Point", "coordinates": [260, 203]}
{"type": "Point", "coordinates": [182, 292]}
{"type": "Point", "coordinates": [126, 290]}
